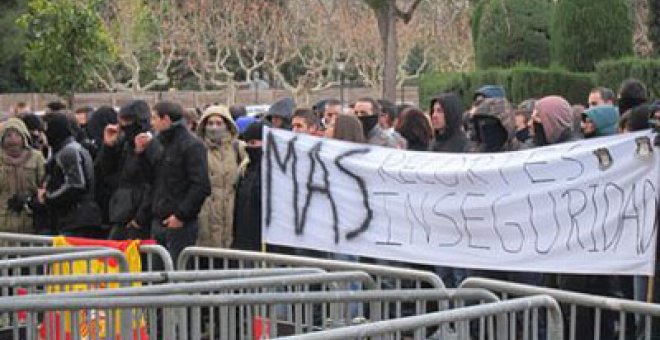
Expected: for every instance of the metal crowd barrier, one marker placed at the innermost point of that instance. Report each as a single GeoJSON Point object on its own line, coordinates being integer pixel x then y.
{"type": "Point", "coordinates": [34, 285]}
{"type": "Point", "coordinates": [155, 256]}
{"type": "Point", "coordinates": [262, 321]}
{"type": "Point", "coordinates": [644, 313]}
{"type": "Point", "coordinates": [386, 277]}
{"type": "Point", "coordinates": [500, 309]}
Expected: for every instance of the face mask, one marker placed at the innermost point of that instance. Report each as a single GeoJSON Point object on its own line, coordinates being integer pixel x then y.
{"type": "Point", "coordinates": [130, 131]}
{"type": "Point", "coordinates": [216, 133]}
{"type": "Point", "coordinates": [255, 154]}
{"type": "Point", "coordinates": [368, 123]}
{"type": "Point", "coordinates": [491, 134]}
{"type": "Point", "coordinates": [539, 134]}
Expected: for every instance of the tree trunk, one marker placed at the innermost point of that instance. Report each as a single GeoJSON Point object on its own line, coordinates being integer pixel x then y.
{"type": "Point", "coordinates": [386, 16]}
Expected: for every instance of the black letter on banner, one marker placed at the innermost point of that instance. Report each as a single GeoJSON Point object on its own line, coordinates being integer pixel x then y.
{"type": "Point", "coordinates": [397, 161]}
{"type": "Point", "coordinates": [499, 234]}
{"type": "Point", "coordinates": [290, 155]}
{"type": "Point", "coordinates": [573, 213]}
{"type": "Point", "coordinates": [363, 190]}
{"type": "Point", "coordinates": [314, 157]}
{"type": "Point", "coordinates": [408, 206]}
{"type": "Point", "coordinates": [635, 216]}
{"type": "Point", "coordinates": [644, 246]}
{"type": "Point", "coordinates": [440, 214]}
{"type": "Point", "coordinates": [569, 159]}
{"type": "Point", "coordinates": [471, 218]}
{"type": "Point", "coordinates": [619, 228]}
{"type": "Point", "coordinates": [528, 165]}
{"type": "Point", "coordinates": [471, 174]}
{"type": "Point", "coordinates": [536, 231]}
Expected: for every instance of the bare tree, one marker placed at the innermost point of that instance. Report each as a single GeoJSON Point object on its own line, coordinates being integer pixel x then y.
{"type": "Point", "coordinates": [145, 38]}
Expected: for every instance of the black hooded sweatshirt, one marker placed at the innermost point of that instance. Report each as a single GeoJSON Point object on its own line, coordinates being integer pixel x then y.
{"type": "Point", "coordinates": [451, 138]}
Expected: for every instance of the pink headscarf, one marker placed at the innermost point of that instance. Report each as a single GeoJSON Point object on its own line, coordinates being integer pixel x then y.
{"type": "Point", "coordinates": [556, 116]}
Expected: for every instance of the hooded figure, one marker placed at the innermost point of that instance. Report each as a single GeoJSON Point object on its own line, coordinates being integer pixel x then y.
{"type": "Point", "coordinates": [124, 186]}
{"type": "Point", "coordinates": [450, 137]}
{"type": "Point", "coordinates": [552, 121]}
{"type": "Point", "coordinates": [97, 122]}
{"type": "Point", "coordinates": [279, 114]}
{"type": "Point", "coordinates": [226, 158]}
{"type": "Point", "coordinates": [21, 170]}
{"type": "Point", "coordinates": [36, 129]}
{"type": "Point", "coordinates": [604, 118]}
{"type": "Point", "coordinates": [247, 223]}
{"type": "Point", "coordinates": [70, 181]}
{"type": "Point", "coordinates": [494, 125]}
{"type": "Point", "coordinates": [637, 119]}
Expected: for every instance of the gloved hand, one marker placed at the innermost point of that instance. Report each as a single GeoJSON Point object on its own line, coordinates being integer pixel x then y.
{"type": "Point", "coordinates": [16, 203]}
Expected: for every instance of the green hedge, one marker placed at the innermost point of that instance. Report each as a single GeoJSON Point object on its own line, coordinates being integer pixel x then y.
{"type": "Point", "coordinates": [612, 73]}
{"type": "Point", "coordinates": [521, 82]}
{"type": "Point", "coordinates": [513, 32]}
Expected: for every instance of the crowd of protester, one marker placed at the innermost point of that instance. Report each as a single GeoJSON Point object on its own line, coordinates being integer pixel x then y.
{"type": "Point", "coordinates": [192, 176]}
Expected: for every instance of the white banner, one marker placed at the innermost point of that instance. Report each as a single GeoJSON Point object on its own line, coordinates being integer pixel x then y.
{"type": "Point", "coordinates": [583, 207]}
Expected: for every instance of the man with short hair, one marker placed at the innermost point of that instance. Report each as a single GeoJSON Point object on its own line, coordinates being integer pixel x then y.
{"type": "Point", "coordinates": [601, 96]}
{"type": "Point", "coordinates": [331, 110]}
{"type": "Point", "coordinates": [305, 121]}
{"type": "Point", "coordinates": [181, 180]}
{"type": "Point", "coordinates": [367, 110]}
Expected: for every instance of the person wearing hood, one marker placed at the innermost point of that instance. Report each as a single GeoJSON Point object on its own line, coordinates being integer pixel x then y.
{"type": "Point", "coordinates": [279, 114]}
{"type": "Point", "coordinates": [36, 129]}
{"type": "Point", "coordinates": [446, 119]}
{"type": "Point", "coordinates": [483, 93]}
{"type": "Point", "coordinates": [637, 119]}
{"type": "Point", "coordinates": [632, 93]}
{"type": "Point", "coordinates": [600, 121]}
{"type": "Point", "coordinates": [98, 120]}
{"type": "Point", "coordinates": [494, 125]}
{"type": "Point", "coordinates": [551, 121]}
{"type": "Point", "coordinates": [69, 182]}
{"type": "Point", "coordinates": [368, 111]}
{"type": "Point", "coordinates": [21, 171]}
{"type": "Point", "coordinates": [226, 157]}
{"type": "Point", "coordinates": [247, 212]}
{"type": "Point", "coordinates": [124, 188]}
{"type": "Point", "coordinates": [180, 181]}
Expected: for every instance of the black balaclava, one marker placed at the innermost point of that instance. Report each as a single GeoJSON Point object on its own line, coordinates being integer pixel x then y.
{"type": "Point", "coordinates": [58, 129]}
{"type": "Point", "coordinates": [539, 134]}
{"type": "Point", "coordinates": [491, 133]}
{"type": "Point", "coordinates": [254, 153]}
{"type": "Point", "coordinates": [522, 135]}
{"type": "Point", "coordinates": [368, 123]}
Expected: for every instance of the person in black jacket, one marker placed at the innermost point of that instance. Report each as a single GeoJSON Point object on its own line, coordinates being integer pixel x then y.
{"type": "Point", "coordinates": [247, 219]}
{"type": "Point", "coordinates": [126, 174]}
{"type": "Point", "coordinates": [446, 114]}
{"type": "Point", "coordinates": [181, 182]}
{"type": "Point", "coordinates": [69, 182]}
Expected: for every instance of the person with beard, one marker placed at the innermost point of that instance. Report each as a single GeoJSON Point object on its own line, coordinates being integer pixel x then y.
{"type": "Point", "coordinates": [21, 170]}
{"type": "Point", "coordinates": [247, 211]}
{"type": "Point", "coordinates": [180, 178]}
{"type": "Point", "coordinates": [368, 111]}
{"type": "Point", "coordinates": [601, 120]}
{"type": "Point", "coordinates": [446, 120]}
{"type": "Point", "coordinates": [226, 157]}
{"type": "Point", "coordinates": [124, 176]}
{"type": "Point", "coordinates": [69, 182]}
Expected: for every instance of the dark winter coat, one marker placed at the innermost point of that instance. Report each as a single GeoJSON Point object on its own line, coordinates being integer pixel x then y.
{"type": "Point", "coordinates": [181, 182]}
{"type": "Point", "coordinates": [247, 219]}
{"type": "Point", "coordinates": [70, 187]}
{"type": "Point", "coordinates": [452, 138]}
